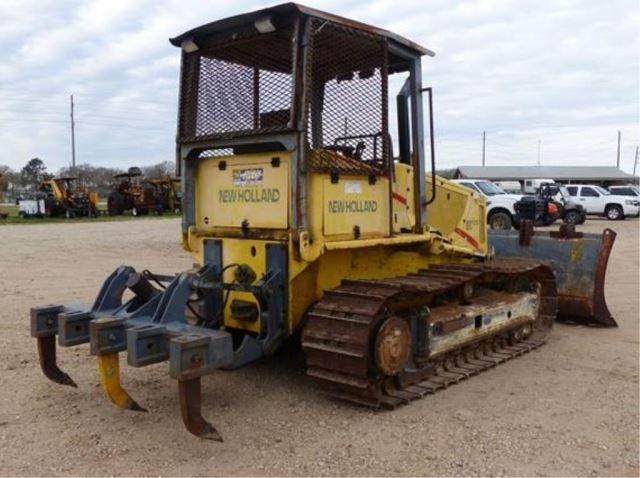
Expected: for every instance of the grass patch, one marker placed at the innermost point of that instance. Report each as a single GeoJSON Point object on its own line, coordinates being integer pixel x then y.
{"type": "Point", "coordinates": [13, 218]}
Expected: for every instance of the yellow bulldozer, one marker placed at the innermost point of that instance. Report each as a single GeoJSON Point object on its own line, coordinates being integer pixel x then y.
{"type": "Point", "coordinates": [307, 225]}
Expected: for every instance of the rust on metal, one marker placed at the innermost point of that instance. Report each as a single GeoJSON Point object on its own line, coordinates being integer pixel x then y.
{"type": "Point", "coordinates": [566, 231]}
{"type": "Point", "coordinates": [343, 347]}
{"type": "Point", "coordinates": [526, 232]}
{"type": "Point", "coordinates": [575, 302]}
{"type": "Point", "coordinates": [579, 263]}
{"type": "Point", "coordinates": [393, 346]}
{"type": "Point", "coordinates": [190, 395]}
{"type": "Point", "coordinates": [47, 355]}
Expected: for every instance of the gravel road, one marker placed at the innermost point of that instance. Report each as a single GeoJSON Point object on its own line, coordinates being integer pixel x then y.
{"type": "Point", "coordinates": [568, 408]}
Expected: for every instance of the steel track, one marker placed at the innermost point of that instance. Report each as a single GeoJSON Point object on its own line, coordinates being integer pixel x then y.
{"type": "Point", "coordinates": [337, 339]}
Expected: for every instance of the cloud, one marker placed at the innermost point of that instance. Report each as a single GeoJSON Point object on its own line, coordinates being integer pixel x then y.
{"type": "Point", "coordinates": [565, 73]}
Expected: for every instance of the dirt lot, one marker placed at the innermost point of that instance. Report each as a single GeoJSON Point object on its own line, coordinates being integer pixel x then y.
{"type": "Point", "coordinates": [569, 408]}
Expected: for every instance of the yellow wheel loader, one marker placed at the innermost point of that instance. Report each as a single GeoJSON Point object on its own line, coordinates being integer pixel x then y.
{"type": "Point", "coordinates": [306, 222]}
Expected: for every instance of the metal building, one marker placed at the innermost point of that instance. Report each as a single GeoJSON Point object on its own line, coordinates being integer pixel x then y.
{"type": "Point", "coordinates": [601, 175]}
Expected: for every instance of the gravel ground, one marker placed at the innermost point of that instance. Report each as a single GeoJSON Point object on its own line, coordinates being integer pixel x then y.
{"type": "Point", "coordinates": [569, 408]}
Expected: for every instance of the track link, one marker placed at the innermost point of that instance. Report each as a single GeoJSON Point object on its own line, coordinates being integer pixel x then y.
{"type": "Point", "coordinates": [337, 339]}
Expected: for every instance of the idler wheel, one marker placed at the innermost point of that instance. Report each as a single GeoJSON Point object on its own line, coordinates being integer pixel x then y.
{"type": "Point", "coordinates": [393, 346]}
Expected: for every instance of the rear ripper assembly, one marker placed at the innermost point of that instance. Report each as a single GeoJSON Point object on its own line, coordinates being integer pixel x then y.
{"type": "Point", "coordinates": [154, 326]}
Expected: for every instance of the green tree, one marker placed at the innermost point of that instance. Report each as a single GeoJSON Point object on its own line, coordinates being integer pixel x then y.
{"type": "Point", "coordinates": [33, 172]}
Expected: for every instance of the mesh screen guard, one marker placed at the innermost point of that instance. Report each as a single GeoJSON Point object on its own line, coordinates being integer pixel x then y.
{"type": "Point", "coordinates": [243, 86]}
{"type": "Point", "coordinates": [239, 86]}
{"type": "Point", "coordinates": [347, 130]}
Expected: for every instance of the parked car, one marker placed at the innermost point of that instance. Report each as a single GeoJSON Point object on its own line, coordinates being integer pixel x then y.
{"type": "Point", "coordinates": [500, 211]}
{"type": "Point", "coordinates": [628, 190]}
{"type": "Point", "coordinates": [597, 200]}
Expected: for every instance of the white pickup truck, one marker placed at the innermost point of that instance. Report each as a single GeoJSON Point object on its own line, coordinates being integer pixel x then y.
{"type": "Point", "coordinates": [500, 211]}
{"type": "Point", "coordinates": [597, 200]}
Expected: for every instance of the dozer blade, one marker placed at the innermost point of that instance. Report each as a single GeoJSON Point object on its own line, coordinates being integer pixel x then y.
{"type": "Point", "coordinates": [109, 366]}
{"type": "Point", "coordinates": [578, 260]}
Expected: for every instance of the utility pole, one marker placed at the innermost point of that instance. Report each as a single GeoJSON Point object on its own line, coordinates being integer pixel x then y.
{"type": "Point", "coordinates": [73, 138]}
{"type": "Point", "coordinates": [484, 143]}
{"type": "Point", "coordinates": [539, 143]}
{"type": "Point", "coordinates": [635, 163]}
{"type": "Point", "coordinates": [618, 155]}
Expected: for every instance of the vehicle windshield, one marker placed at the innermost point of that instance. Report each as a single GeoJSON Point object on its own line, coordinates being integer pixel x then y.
{"type": "Point", "coordinates": [489, 188]}
{"type": "Point", "coordinates": [602, 190]}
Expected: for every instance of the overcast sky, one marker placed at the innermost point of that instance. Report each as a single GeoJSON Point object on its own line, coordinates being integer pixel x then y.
{"type": "Point", "coordinates": [564, 73]}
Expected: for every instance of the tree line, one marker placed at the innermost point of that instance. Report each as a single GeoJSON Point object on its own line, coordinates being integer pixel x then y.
{"type": "Point", "coordinates": [16, 183]}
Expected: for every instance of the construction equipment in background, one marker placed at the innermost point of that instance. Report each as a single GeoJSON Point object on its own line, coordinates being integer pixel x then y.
{"type": "Point", "coordinates": [302, 222]}
{"type": "Point", "coordinates": [132, 194]}
{"type": "Point", "coordinates": [66, 197]}
{"type": "Point", "coordinates": [167, 193]}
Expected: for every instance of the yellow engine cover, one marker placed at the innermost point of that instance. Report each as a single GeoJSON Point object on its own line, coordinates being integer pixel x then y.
{"type": "Point", "coordinates": [352, 204]}
{"type": "Point", "coordinates": [251, 188]}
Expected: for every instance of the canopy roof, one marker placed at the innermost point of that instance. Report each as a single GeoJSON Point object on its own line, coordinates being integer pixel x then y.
{"type": "Point", "coordinates": [282, 15]}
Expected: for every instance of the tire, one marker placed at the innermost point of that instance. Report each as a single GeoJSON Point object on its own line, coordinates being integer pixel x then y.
{"type": "Point", "coordinates": [548, 220]}
{"type": "Point", "coordinates": [500, 220]}
{"type": "Point", "coordinates": [614, 213]}
{"type": "Point", "coordinates": [572, 217]}
{"type": "Point", "coordinates": [115, 203]}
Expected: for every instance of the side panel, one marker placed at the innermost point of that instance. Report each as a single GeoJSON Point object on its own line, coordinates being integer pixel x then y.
{"type": "Point", "coordinates": [352, 207]}
{"type": "Point", "coordinates": [404, 216]}
{"type": "Point", "coordinates": [459, 214]}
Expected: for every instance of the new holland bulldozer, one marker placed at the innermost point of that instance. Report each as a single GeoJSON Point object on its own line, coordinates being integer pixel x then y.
{"type": "Point", "coordinates": [306, 220]}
